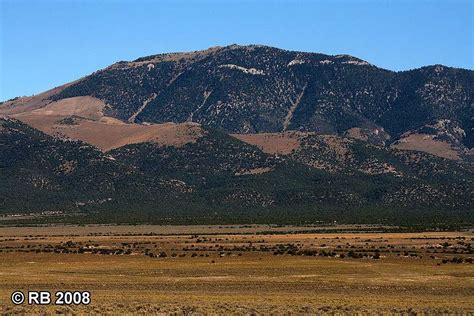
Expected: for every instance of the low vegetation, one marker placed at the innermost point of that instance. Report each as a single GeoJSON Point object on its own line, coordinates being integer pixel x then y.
{"type": "Point", "coordinates": [241, 268]}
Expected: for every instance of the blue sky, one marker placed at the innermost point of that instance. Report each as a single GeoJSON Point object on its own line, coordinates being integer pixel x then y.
{"type": "Point", "coordinates": [47, 43]}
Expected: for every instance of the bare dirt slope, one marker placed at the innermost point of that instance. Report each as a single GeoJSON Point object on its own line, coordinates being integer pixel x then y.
{"type": "Point", "coordinates": [273, 143]}
{"type": "Point", "coordinates": [427, 143]}
{"type": "Point", "coordinates": [82, 118]}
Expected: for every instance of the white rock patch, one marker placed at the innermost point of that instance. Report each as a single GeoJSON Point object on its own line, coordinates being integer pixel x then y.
{"type": "Point", "coordinates": [325, 62]}
{"type": "Point", "coordinates": [295, 62]}
{"type": "Point", "coordinates": [251, 71]}
{"type": "Point", "coordinates": [356, 62]}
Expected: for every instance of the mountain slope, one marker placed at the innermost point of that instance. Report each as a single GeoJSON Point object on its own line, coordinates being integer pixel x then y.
{"type": "Point", "coordinates": [248, 89]}
{"type": "Point", "coordinates": [244, 134]}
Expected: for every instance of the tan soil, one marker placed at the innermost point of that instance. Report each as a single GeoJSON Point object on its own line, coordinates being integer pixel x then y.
{"type": "Point", "coordinates": [108, 133]}
{"type": "Point", "coordinates": [273, 143]}
{"type": "Point", "coordinates": [91, 126]}
{"type": "Point", "coordinates": [426, 143]}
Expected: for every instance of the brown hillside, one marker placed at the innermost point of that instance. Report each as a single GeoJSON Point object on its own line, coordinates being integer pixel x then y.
{"type": "Point", "coordinates": [82, 118]}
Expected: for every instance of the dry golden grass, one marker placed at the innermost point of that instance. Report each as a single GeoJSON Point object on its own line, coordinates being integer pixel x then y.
{"type": "Point", "coordinates": [233, 274]}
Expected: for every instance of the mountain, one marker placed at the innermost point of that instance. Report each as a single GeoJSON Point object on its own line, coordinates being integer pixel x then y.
{"type": "Point", "coordinates": [244, 134]}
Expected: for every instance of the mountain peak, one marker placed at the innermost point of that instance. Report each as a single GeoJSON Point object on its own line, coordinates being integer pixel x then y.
{"type": "Point", "coordinates": [257, 88]}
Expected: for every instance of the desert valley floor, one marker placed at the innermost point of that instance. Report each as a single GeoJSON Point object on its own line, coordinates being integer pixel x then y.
{"type": "Point", "coordinates": [240, 269]}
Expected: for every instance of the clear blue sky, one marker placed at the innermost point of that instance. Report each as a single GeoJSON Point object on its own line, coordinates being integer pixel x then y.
{"type": "Point", "coordinates": [47, 43]}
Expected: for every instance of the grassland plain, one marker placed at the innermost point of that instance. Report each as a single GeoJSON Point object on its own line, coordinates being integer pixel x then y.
{"type": "Point", "coordinates": [239, 269]}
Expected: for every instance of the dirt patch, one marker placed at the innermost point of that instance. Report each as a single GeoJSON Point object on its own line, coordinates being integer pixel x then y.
{"type": "Point", "coordinates": [85, 107]}
{"type": "Point", "coordinates": [110, 136]}
{"type": "Point", "coordinates": [30, 103]}
{"type": "Point", "coordinates": [109, 133]}
{"type": "Point", "coordinates": [91, 126]}
{"type": "Point", "coordinates": [274, 143]}
{"type": "Point", "coordinates": [426, 143]}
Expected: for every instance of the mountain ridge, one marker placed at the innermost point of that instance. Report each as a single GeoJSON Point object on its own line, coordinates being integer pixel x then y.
{"type": "Point", "coordinates": [221, 95]}
{"type": "Point", "coordinates": [307, 106]}
{"type": "Point", "coordinates": [244, 133]}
